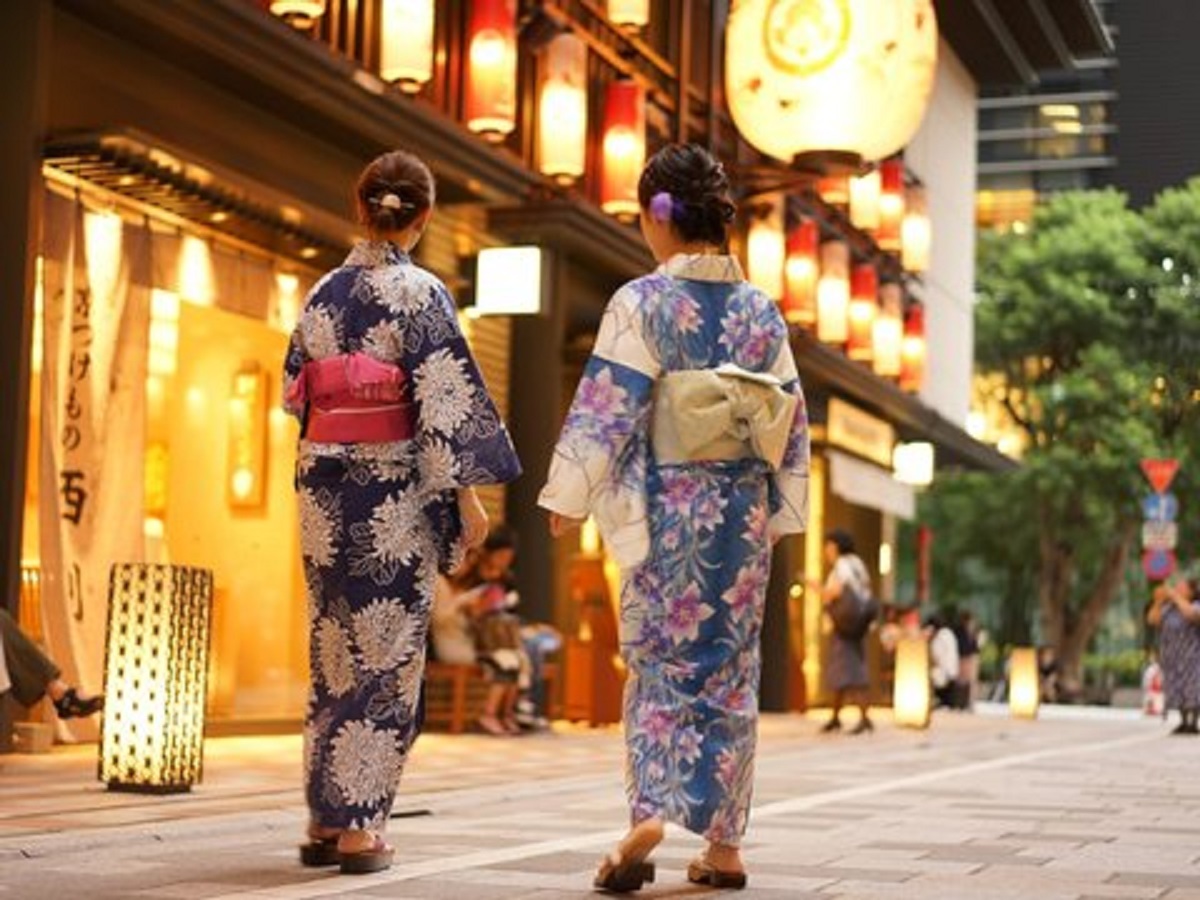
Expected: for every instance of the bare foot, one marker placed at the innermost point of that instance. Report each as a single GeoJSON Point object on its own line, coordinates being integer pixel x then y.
{"type": "Point", "coordinates": [641, 840]}
{"type": "Point", "coordinates": [354, 840]}
{"type": "Point", "coordinates": [724, 858]}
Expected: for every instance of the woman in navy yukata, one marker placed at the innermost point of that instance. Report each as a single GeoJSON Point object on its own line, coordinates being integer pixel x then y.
{"type": "Point", "coordinates": [397, 428]}
{"type": "Point", "coordinates": [687, 441]}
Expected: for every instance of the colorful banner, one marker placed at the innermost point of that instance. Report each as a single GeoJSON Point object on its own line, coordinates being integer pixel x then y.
{"type": "Point", "coordinates": [96, 322]}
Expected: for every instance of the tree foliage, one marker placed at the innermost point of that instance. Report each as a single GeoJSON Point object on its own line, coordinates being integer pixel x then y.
{"type": "Point", "coordinates": [1090, 324]}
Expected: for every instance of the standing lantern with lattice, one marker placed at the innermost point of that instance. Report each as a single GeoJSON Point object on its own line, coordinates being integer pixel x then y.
{"type": "Point", "coordinates": [155, 674]}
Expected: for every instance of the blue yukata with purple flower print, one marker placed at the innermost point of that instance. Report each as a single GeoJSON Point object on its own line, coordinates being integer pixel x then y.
{"type": "Point", "coordinates": [693, 538]}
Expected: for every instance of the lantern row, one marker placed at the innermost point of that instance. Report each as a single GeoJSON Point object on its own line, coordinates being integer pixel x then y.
{"type": "Point", "coordinates": [820, 289]}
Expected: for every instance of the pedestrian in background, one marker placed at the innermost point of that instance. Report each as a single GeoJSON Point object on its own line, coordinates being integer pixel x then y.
{"type": "Point", "coordinates": [846, 675]}
{"type": "Point", "coordinates": [943, 660]}
{"type": "Point", "coordinates": [31, 675]}
{"type": "Point", "coordinates": [968, 635]}
{"type": "Point", "coordinates": [396, 429]}
{"type": "Point", "coordinates": [688, 441]}
{"type": "Point", "coordinates": [1175, 611]}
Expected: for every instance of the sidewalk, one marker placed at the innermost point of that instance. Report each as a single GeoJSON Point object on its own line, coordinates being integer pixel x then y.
{"type": "Point", "coordinates": [977, 807]}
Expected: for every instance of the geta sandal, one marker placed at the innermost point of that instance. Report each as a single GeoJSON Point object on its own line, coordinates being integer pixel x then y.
{"type": "Point", "coordinates": [375, 858]}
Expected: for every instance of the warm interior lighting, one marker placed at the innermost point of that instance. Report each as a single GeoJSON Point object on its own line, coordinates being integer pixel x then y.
{"type": "Point", "coordinates": [155, 673]}
{"type": "Point", "coordinates": [833, 293]}
{"type": "Point", "coordinates": [406, 43]}
{"type": "Point", "coordinates": [589, 538]}
{"type": "Point", "coordinates": [916, 234]}
{"type": "Point", "coordinates": [491, 91]}
{"type": "Point", "coordinates": [832, 81]}
{"type": "Point", "coordinates": [102, 237]}
{"type": "Point", "coordinates": [891, 204]}
{"type": "Point", "coordinates": [247, 439]}
{"type": "Point", "coordinates": [1024, 684]}
{"type": "Point", "coordinates": [885, 559]}
{"type": "Point", "coordinates": [910, 692]}
{"type": "Point", "coordinates": [164, 332]}
{"type": "Point", "coordinates": [197, 281]}
{"type": "Point", "coordinates": [864, 302]}
{"type": "Point", "coordinates": [634, 14]}
{"type": "Point", "coordinates": [864, 200]}
{"type": "Point", "coordinates": [912, 463]}
{"type": "Point", "coordinates": [800, 274]}
{"type": "Point", "coordinates": [508, 281]}
{"type": "Point", "coordinates": [39, 312]}
{"type": "Point", "coordinates": [888, 332]}
{"type": "Point", "coordinates": [562, 110]}
{"type": "Point", "coordinates": [766, 249]}
{"type": "Point", "coordinates": [624, 151]}
{"type": "Point", "coordinates": [286, 312]}
{"type": "Point", "coordinates": [301, 14]}
{"type": "Point", "coordinates": [912, 350]}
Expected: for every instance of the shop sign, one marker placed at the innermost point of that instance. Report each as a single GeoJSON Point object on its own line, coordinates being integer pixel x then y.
{"type": "Point", "coordinates": [860, 432]}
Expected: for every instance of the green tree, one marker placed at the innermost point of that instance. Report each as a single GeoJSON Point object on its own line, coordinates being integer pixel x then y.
{"type": "Point", "coordinates": [1092, 340]}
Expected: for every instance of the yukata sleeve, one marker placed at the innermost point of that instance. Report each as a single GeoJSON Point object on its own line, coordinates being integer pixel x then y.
{"type": "Point", "coordinates": [460, 438]}
{"type": "Point", "coordinates": [598, 467]}
{"type": "Point", "coordinates": [295, 395]}
{"type": "Point", "coordinates": [789, 485]}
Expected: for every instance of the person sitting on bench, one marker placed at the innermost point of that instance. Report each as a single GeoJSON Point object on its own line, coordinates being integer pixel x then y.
{"type": "Point", "coordinates": [33, 675]}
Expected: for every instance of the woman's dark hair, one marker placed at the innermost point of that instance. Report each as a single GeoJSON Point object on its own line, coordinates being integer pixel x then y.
{"type": "Point", "coordinates": [393, 190]}
{"type": "Point", "coordinates": [842, 540]}
{"type": "Point", "coordinates": [700, 206]}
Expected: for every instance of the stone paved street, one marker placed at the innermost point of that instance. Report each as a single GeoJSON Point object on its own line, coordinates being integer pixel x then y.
{"type": "Point", "coordinates": [1070, 807]}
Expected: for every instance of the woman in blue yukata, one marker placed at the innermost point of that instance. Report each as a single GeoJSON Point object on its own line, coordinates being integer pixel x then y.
{"type": "Point", "coordinates": [396, 429]}
{"type": "Point", "coordinates": [687, 441]}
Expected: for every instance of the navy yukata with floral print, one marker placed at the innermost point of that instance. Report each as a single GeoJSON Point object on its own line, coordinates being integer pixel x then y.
{"type": "Point", "coordinates": [693, 538]}
{"type": "Point", "coordinates": [379, 520]}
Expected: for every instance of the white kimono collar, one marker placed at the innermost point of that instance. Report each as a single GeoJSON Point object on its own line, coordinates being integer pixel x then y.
{"type": "Point", "coordinates": [373, 254]}
{"type": "Point", "coordinates": [703, 267]}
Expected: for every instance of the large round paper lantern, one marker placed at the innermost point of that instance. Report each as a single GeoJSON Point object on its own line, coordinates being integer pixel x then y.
{"type": "Point", "coordinates": [491, 94]}
{"type": "Point", "coordinates": [829, 83]}
{"type": "Point", "coordinates": [624, 148]}
{"type": "Point", "coordinates": [562, 110]}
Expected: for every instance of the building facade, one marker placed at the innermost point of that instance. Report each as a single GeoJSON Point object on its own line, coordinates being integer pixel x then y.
{"type": "Point", "coordinates": [179, 173]}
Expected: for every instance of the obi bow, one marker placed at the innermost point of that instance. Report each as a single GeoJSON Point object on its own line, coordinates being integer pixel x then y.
{"type": "Point", "coordinates": [722, 414]}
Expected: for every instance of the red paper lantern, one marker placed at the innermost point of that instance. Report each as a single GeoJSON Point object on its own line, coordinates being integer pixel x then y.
{"type": "Point", "coordinates": [624, 149]}
{"type": "Point", "coordinates": [891, 204]}
{"type": "Point", "coordinates": [864, 302]}
{"type": "Point", "coordinates": [491, 94]}
{"type": "Point", "coordinates": [800, 274]}
{"type": "Point", "coordinates": [912, 350]}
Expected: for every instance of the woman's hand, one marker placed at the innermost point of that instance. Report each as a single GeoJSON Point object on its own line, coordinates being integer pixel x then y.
{"type": "Point", "coordinates": [474, 518]}
{"type": "Point", "coordinates": [560, 524]}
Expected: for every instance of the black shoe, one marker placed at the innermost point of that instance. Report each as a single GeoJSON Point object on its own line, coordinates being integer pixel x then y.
{"type": "Point", "coordinates": [864, 725]}
{"type": "Point", "coordinates": [71, 706]}
{"type": "Point", "coordinates": [831, 726]}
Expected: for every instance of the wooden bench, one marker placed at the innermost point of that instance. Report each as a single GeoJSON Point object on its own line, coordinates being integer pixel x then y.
{"type": "Point", "coordinates": [455, 694]}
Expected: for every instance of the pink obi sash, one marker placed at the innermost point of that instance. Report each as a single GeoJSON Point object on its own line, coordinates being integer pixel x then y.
{"type": "Point", "coordinates": [353, 399]}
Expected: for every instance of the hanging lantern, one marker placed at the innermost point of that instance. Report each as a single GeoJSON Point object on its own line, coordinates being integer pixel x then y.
{"type": "Point", "coordinates": [834, 189]}
{"type": "Point", "coordinates": [491, 96]}
{"type": "Point", "coordinates": [829, 83]}
{"type": "Point", "coordinates": [800, 274]}
{"type": "Point", "coordinates": [766, 249]}
{"type": "Point", "coordinates": [889, 331]}
{"type": "Point", "coordinates": [891, 204]}
{"type": "Point", "coordinates": [916, 234]}
{"type": "Point", "coordinates": [631, 14]}
{"type": "Point", "coordinates": [833, 293]}
{"type": "Point", "coordinates": [912, 350]}
{"type": "Point", "coordinates": [562, 110]}
{"type": "Point", "coordinates": [864, 301]}
{"type": "Point", "coordinates": [300, 14]}
{"type": "Point", "coordinates": [864, 200]}
{"type": "Point", "coordinates": [624, 148]}
{"type": "Point", "coordinates": [406, 43]}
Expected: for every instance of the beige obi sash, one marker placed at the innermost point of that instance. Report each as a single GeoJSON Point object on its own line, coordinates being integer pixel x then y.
{"type": "Point", "coordinates": [725, 413]}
